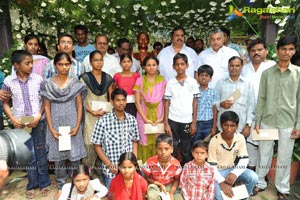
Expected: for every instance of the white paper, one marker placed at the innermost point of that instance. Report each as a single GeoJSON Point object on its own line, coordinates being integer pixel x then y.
{"type": "Point", "coordinates": [130, 99]}
{"type": "Point", "coordinates": [97, 105]}
{"type": "Point", "coordinates": [239, 192]}
{"type": "Point", "coordinates": [265, 134]}
{"type": "Point", "coordinates": [165, 196]}
{"type": "Point", "coordinates": [158, 128]}
{"type": "Point", "coordinates": [64, 139]}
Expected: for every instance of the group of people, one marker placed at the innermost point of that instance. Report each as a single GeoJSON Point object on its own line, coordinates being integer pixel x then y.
{"type": "Point", "coordinates": [191, 96]}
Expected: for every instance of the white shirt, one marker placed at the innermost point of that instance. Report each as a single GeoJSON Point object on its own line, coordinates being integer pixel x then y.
{"type": "Point", "coordinates": [181, 98]}
{"type": "Point", "coordinates": [136, 67]}
{"type": "Point", "coordinates": [254, 76]}
{"type": "Point", "coordinates": [166, 56]}
{"type": "Point", "coordinates": [110, 64]}
{"type": "Point", "coordinates": [243, 107]}
{"type": "Point", "coordinates": [218, 61]}
{"type": "Point", "coordinates": [102, 190]}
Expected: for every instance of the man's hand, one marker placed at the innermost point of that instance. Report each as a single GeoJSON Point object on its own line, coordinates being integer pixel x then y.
{"type": "Point", "coordinates": [230, 179]}
{"type": "Point", "coordinates": [257, 129]}
{"type": "Point", "coordinates": [226, 104]}
{"type": "Point", "coordinates": [295, 134]}
{"type": "Point", "coordinates": [246, 131]}
{"type": "Point", "coordinates": [113, 168]}
{"type": "Point", "coordinates": [4, 95]}
{"type": "Point", "coordinates": [167, 129]}
{"type": "Point", "coordinates": [227, 189]}
{"type": "Point", "coordinates": [193, 129]}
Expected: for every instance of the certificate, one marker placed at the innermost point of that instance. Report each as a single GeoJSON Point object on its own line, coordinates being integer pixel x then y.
{"type": "Point", "coordinates": [25, 120]}
{"type": "Point", "coordinates": [265, 134]}
{"type": "Point", "coordinates": [97, 105]}
{"type": "Point", "coordinates": [239, 192]}
{"type": "Point", "coordinates": [158, 128]}
{"type": "Point", "coordinates": [64, 139]}
{"type": "Point", "coordinates": [130, 99]}
{"type": "Point", "coordinates": [235, 96]}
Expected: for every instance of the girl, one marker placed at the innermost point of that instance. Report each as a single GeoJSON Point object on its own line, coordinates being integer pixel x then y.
{"type": "Point", "coordinates": [63, 106]}
{"type": "Point", "coordinates": [99, 88]}
{"type": "Point", "coordinates": [149, 90]}
{"type": "Point", "coordinates": [82, 187]}
{"type": "Point", "coordinates": [128, 184]}
{"type": "Point", "coordinates": [126, 80]}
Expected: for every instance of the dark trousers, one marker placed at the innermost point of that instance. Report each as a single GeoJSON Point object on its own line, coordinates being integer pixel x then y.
{"type": "Point", "coordinates": [181, 136]}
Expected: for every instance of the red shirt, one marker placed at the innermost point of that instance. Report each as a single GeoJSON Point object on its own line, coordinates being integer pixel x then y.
{"type": "Point", "coordinates": [126, 82]}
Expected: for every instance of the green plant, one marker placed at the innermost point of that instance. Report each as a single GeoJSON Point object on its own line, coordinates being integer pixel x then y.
{"type": "Point", "coordinates": [296, 151]}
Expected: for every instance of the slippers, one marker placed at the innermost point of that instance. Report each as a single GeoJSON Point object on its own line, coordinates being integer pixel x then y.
{"type": "Point", "coordinates": [283, 196]}
{"type": "Point", "coordinates": [29, 194]}
{"type": "Point", "coordinates": [256, 190]}
{"type": "Point", "coordinates": [45, 191]}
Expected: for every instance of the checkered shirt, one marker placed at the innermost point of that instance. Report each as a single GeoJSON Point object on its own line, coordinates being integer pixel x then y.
{"type": "Point", "coordinates": [197, 183]}
{"type": "Point", "coordinates": [207, 99]}
{"type": "Point", "coordinates": [115, 137]}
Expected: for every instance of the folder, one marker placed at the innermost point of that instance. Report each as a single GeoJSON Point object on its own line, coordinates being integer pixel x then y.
{"type": "Point", "coordinates": [64, 139]}
{"type": "Point", "coordinates": [97, 105]}
{"type": "Point", "coordinates": [158, 128]}
{"type": "Point", "coordinates": [265, 134]}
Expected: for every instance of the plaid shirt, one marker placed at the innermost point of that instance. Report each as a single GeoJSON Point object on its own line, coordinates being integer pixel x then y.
{"type": "Point", "coordinates": [115, 137]}
{"type": "Point", "coordinates": [197, 183]}
{"type": "Point", "coordinates": [207, 99]}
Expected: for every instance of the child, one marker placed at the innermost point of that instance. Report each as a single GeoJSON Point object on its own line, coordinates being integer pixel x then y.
{"type": "Point", "coordinates": [99, 88]}
{"type": "Point", "coordinates": [126, 80]}
{"type": "Point", "coordinates": [162, 171]}
{"type": "Point", "coordinates": [207, 111]}
{"type": "Point", "coordinates": [63, 106]}
{"type": "Point", "coordinates": [197, 180]}
{"type": "Point", "coordinates": [181, 108]}
{"type": "Point", "coordinates": [149, 91]}
{"type": "Point", "coordinates": [128, 184]}
{"type": "Point", "coordinates": [82, 187]}
{"type": "Point", "coordinates": [25, 87]}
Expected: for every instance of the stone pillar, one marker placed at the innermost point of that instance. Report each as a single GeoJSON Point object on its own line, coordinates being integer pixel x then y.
{"type": "Point", "coordinates": [6, 40]}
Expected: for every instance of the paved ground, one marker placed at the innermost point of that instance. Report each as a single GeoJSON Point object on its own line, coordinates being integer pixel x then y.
{"type": "Point", "coordinates": [16, 190]}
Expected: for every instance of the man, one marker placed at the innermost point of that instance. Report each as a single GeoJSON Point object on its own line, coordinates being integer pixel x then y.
{"type": "Point", "coordinates": [199, 46]}
{"type": "Point", "coordinates": [232, 45]}
{"type": "Point", "coordinates": [278, 107]}
{"type": "Point", "coordinates": [244, 105]}
{"type": "Point", "coordinates": [167, 54]}
{"type": "Point", "coordinates": [252, 71]}
{"type": "Point", "coordinates": [65, 44]}
{"type": "Point", "coordinates": [114, 134]}
{"type": "Point", "coordinates": [83, 47]}
{"type": "Point", "coordinates": [111, 64]}
{"type": "Point", "coordinates": [190, 42]}
{"type": "Point", "coordinates": [228, 154]}
{"type": "Point", "coordinates": [216, 56]}
{"type": "Point", "coordinates": [124, 46]}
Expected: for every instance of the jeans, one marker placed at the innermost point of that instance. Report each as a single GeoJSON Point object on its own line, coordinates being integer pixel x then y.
{"type": "Point", "coordinates": [181, 135]}
{"type": "Point", "coordinates": [37, 168]}
{"type": "Point", "coordinates": [203, 129]}
{"type": "Point", "coordinates": [61, 171]}
{"type": "Point", "coordinates": [106, 181]}
{"type": "Point", "coordinates": [248, 177]}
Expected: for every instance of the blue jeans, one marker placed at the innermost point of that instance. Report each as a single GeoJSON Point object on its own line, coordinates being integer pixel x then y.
{"type": "Point", "coordinates": [248, 177]}
{"type": "Point", "coordinates": [37, 168]}
{"type": "Point", "coordinates": [203, 129]}
{"type": "Point", "coordinates": [106, 181]}
{"type": "Point", "coordinates": [61, 171]}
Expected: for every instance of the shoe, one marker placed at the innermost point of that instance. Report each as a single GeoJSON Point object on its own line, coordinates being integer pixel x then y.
{"type": "Point", "coordinates": [30, 194]}
{"type": "Point", "coordinates": [283, 196]}
{"type": "Point", "coordinates": [45, 191]}
{"type": "Point", "coordinates": [256, 190]}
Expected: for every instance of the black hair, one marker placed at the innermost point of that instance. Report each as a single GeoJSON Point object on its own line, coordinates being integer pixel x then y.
{"type": "Point", "coordinates": [65, 35]}
{"type": "Point", "coordinates": [226, 31]}
{"type": "Point", "coordinates": [286, 40]}
{"type": "Point", "coordinates": [150, 57]}
{"type": "Point", "coordinates": [200, 144]}
{"type": "Point", "coordinates": [18, 56]}
{"type": "Point", "coordinates": [60, 56]}
{"type": "Point", "coordinates": [180, 56]}
{"type": "Point", "coordinates": [234, 58]}
{"type": "Point", "coordinates": [93, 53]}
{"type": "Point", "coordinates": [207, 69]}
{"type": "Point", "coordinates": [191, 38]}
{"type": "Point", "coordinates": [145, 33]}
{"type": "Point", "coordinates": [30, 37]}
{"type": "Point", "coordinates": [164, 138]}
{"type": "Point", "coordinates": [176, 29]}
{"type": "Point", "coordinates": [229, 116]}
{"type": "Point", "coordinates": [81, 27]}
{"type": "Point", "coordinates": [118, 91]}
{"type": "Point", "coordinates": [157, 44]}
{"type": "Point", "coordinates": [255, 42]}
{"type": "Point", "coordinates": [120, 41]}
{"type": "Point", "coordinates": [125, 55]}
{"type": "Point", "coordinates": [132, 158]}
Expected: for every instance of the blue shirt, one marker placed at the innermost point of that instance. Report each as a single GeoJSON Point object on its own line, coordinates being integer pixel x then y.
{"type": "Point", "coordinates": [207, 99]}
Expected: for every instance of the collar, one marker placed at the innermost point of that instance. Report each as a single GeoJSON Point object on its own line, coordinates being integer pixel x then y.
{"type": "Point", "coordinates": [115, 116]}
{"type": "Point", "coordinates": [220, 50]}
{"type": "Point", "coordinates": [290, 67]}
{"type": "Point", "coordinates": [241, 78]}
{"type": "Point", "coordinates": [15, 77]}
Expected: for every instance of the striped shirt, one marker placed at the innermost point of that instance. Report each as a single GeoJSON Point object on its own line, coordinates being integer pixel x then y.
{"type": "Point", "coordinates": [207, 99]}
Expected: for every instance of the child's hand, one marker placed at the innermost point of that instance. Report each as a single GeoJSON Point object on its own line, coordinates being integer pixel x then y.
{"type": "Point", "coordinates": [99, 113]}
{"type": "Point", "coordinates": [148, 121]}
{"type": "Point", "coordinates": [162, 188]}
{"type": "Point", "coordinates": [16, 123]}
{"type": "Point", "coordinates": [171, 196]}
{"type": "Point", "coordinates": [74, 131]}
{"type": "Point", "coordinates": [54, 133]}
{"type": "Point", "coordinates": [35, 122]}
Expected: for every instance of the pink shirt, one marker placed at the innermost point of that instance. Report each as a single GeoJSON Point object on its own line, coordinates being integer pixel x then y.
{"type": "Point", "coordinates": [126, 82]}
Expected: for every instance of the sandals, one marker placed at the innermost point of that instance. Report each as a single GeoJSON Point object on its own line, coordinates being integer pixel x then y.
{"type": "Point", "coordinates": [256, 190]}
{"type": "Point", "coordinates": [29, 194]}
{"type": "Point", "coordinates": [283, 196]}
{"type": "Point", "coordinates": [45, 191]}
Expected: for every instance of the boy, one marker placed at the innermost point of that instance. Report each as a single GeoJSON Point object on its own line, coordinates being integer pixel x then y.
{"type": "Point", "coordinates": [162, 171]}
{"type": "Point", "coordinates": [181, 108]}
{"type": "Point", "coordinates": [207, 111]}
{"type": "Point", "coordinates": [25, 87]}
{"type": "Point", "coordinates": [197, 180]}
{"type": "Point", "coordinates": [228, 154]}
